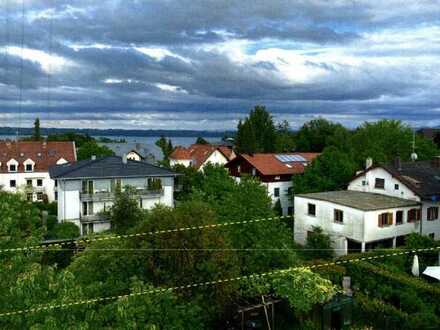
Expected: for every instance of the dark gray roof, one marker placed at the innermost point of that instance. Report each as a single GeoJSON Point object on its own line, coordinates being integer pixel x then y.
{"type": "Point", "coordinates": [149, 152]}
{"type": "Point", "coordinates": [107, 167]}
{"type": "Point", "coordinates": [360, 200]}
{"type": "Point", "coordinates": [422, 177]}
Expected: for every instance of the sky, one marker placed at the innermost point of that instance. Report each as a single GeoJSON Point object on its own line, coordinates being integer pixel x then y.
{"type": "Point", "coordinates": [203, 64]}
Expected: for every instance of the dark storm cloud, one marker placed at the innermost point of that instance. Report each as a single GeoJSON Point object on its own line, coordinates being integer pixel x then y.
{"type": "Point", "coordinates": [160, 62]}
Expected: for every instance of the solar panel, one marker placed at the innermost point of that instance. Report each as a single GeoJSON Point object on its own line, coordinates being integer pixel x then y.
{"type": "Point", "coordinates": [290, 158]}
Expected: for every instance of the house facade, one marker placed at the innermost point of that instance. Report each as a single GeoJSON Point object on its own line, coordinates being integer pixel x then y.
{"type": "Point", "coordinates": [87, 189]}
{"type": "Point", "coordinates": [24, 167]}
{"type": "Point", "coordinates": [136, 151]}
{"type": "Point", "coordinates": [382, 205]}
{"type": "Point", "coordinates": [275, 171]}
{"type": "Point", "coordinates": [199, 155]}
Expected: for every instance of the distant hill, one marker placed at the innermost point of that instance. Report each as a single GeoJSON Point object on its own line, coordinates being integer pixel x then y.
{"type": "Point", "coordinates": [118, 132]}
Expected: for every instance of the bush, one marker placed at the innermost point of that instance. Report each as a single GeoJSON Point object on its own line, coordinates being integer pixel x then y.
{"type": "Point", "coordinates": [318, 245]}
{"type": "Point", "coordinates": [64, 230]}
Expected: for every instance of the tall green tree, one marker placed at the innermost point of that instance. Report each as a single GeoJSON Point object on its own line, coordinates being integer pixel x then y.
{"type": "Point", "coordinates": [36, 134]}
{"type": "Point", "coordinates": [201, 140]}
{"type": "Point", "coordinates": [257, 133]}
{"type": "Point", "coordinates": [320, 133]}
{"type": "Point", "coordinates": [332, 170]}
{"type": "Point", "coordinates": [125, 212]}
{"type": "Point", "coordinates": [284, 138]}
{"type": "Point", "coordinates": [89, 149]}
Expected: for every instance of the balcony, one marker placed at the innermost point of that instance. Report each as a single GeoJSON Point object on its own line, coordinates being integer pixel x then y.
{"type": "Point", "coordinates": [105, 196]}
{"type": "Point", "coordinates": [93, 218]}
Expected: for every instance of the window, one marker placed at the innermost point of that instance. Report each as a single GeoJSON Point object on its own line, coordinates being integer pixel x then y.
{"type": "Point", "coordinates": [254, 171]}
{"type": "Point", "coordinates": [312, 209]}
{"type": "Point", "coordinates": [29, 167]}
{"type": "Point", "coordinates": [12, 183]}
{"type": "Point", "coordinates": [290, 210]}
{"type": "Point", "coordinates": [431, 235]}
{"type": "Point", "coordinates": [364, 183]}
{"type": "Point", "coordinates": [399, 217]}
{"type": "Point", "coordinates": [12, 168]}
{"type": "Point", "coordinates": [140, 203]}
{"type": "Point", "coordinates": [56, 195]}
{"type": "Point", "coordinates": [413, 215]}
{"type": "Point", "coordinates": [276, 192]}
{"type": "Point", "coordinates": [379, 184]}
{"type": "Point", "coordinates": [29, 182]}
{"type": "Point", "coordinates": [39, 182]}
{"type": "Point", "coordinates": [56, 183]}
{"type": "Point", "coordinates": [30, 197]}
{"type": "Point", "coordinates": [87, 208]}
{"type": "Point", "coordinates": [87, 228]}
{"type": "Point", "coordinates": [290, 191]}
{"type": "Point", "coordinates": [396, 186]}
{"type": "Point", "coordinates": [39, 196]}
{"type": "Point", "coordinates": [385, 219]}
{"type": "Point", "coordinates": [339, 216]}
{"type": "Point", "coordinates": [87, 187]}
{"type": "Point", "coordinates": [432, 213]}
{"type": "Point", "coordinates": [115, 184]}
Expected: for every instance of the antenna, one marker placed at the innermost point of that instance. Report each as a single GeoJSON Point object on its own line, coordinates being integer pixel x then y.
{"type": "Point", "coordinates": [413, 154]}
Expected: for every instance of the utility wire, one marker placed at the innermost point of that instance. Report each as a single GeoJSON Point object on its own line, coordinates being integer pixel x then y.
{"type": "Point", "coordinates": [48, 307]}
{"type": "Point", "coordinates": [125, 236]}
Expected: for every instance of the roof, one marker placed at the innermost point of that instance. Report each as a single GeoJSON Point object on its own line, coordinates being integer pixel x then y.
{"type": "Point", "coordinates": [148, 152]}
{"type": "Point", "coordinates": [199, 153]}
{"type": "Point", "coordinates": [107, 167]}
{"type": "Point", "coordinates": [422, 177]}
{"type": "Point", "coordinates": [271, 163]}
{"type": "Point", "coordinates": [43, 154]}
{"type": "Point", "coordinates": [360, 200]}
{"type": "Point", "coordinates": [433, 271]}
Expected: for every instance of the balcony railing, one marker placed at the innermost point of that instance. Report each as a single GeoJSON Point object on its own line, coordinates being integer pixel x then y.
{"type": "Point", "coordinates": [93, 218]}
{"type": "Point", "coordinates": [99, 196]}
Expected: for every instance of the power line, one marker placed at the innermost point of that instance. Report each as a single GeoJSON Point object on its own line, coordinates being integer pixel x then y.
{"type": "Point", "coordinates": [47, 307]}
{"type": "Point", "coordinates": [158, 232]}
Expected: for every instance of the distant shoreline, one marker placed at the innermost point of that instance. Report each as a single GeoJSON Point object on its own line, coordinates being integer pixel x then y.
{"type": "Point", "coordinates": [119, 132]}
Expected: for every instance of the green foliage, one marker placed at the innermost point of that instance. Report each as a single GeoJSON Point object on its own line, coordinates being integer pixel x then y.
{"type": "Point", "coordinates": [277, 209]}
{"type": "Point", "coordinates": [384, 140]}
{"type": "Point", "coordinates": [257, 133]}
{"type": "Point", "coordinates": [317, 134]}
{"type": "Point", "coordinates": [284, 138]}
{"type": "Point", "coordinates": [166, 146]}
{"type": "Point", "coordinates": [125, 212]}
{"type": "Point", "coordinates": [415, 241]}
{"type": "Point", "coordinates": [79, 139]}
{"type": "Point", "coordinates": [64, 230]}
{"type": "Point", "coordinates": [154, 184]}
{"type": "Point", "coordinates": [332, 170]}
{"type": "Point", "coordinates": [36, 134]}
{"type": "Point", "coordinates": [189, 179]}
{"type": "Point", "coordinates": [89, 149]}
{"type": "Point", "coordinates": [201, 140]}
{"type": "Point", "coordinates": [318, 244]}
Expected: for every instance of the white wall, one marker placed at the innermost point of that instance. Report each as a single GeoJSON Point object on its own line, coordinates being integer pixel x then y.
{"type": "Point", "coordinates": [390, 181]}
{"type": "Point", "coordinates": [133, 156]}
{"type": "Point", "coordinates": [285, 198]}
{"type": "Point", "coordinates": [216, 158]}
{"type": "Point", "coordinates": [48, 187]}
{"type": "Point", "coordinates": [184, 162]}
{"type": "Point", "coordinates": [432, 226]}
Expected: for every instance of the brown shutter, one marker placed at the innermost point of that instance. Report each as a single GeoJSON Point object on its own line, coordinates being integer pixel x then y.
{"type": "Point", "coordinates": [391, 218]}
{"type": "Point", "coordinates": [379, 222]}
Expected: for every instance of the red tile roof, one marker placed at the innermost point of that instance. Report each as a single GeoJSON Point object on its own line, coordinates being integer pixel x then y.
{"type": "Point", "coordinates": [199, 153]}
{"type": "Point", "coordinates": [44, 154]}
{"type": "Point", "coordinates": [268, 164]}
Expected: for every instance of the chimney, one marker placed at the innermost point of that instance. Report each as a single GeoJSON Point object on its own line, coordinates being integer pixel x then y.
{"type": "Point", "coordinates": [93, 157]}
{"type": "Point", "coordinates": [435, 162]}
{"type": "Point", "coordinates": [368, 163]}
{"type": "Point", "coordinates": [398, 163]}
{"type": "Point", "coordinates": [124, 158]}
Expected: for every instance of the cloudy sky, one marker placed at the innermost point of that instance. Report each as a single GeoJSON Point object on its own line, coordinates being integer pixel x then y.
{"type": "Point", "coordinates": [203, 64]}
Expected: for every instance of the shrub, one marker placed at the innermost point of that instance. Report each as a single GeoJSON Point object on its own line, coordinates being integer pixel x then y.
{"type": "Point", "coordinates": [318, 245]}
{"type": "Point", "coordinates": [64, 230]}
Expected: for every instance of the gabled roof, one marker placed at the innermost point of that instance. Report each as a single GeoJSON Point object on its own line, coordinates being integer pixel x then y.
{"type": "Point", "coordinates": [360, 200]}
{"type": "Point", "coordinates": [44, 154]}
{"type": "Point", "coordinates": [108, 167]}
{"type": "Point", "coordinates": [199, 153]}
{"type": "Point", "coordinates": [421, 177]}
{"type": "Point", "coordinates": [145, 151]}
{"type": "Point", "coordinates": [270, 163]}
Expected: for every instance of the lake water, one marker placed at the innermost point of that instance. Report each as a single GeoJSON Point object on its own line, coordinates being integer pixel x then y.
{"type": "Point", "coordinates": [182, 141]}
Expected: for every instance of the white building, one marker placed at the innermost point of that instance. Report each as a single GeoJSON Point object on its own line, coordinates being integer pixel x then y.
{"type": "Point", "coordinates": [199, 155]}
{"type": "Point", "coordinates": [275, 171]}
{"type": "Point", "coordinates": [382, 205]}
{"type": "Point", "coordinates": [24, 167]}
{"type": "Point", "coordinates": [86, 188]}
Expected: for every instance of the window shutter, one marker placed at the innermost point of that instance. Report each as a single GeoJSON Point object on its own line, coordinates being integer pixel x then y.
{"type": "Point", "coordinates": [390, 218]}
{"type": "Point", "coordinates": [379, 222]}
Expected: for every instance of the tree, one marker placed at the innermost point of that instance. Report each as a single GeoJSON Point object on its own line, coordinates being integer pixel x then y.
{"type": "Point", "coordinates": [437, 140]}
{"type": "Point", "coordinates": [89, 149]}
{"type": "Point", "coordinates": [201, 140]}
{"type": "Point", "coordinates": [384, 140]}
{"type": "Point", "coordinates": [36, 135]}
{"type": "Point", "coordinates": [257, 133]}
{"type": "Point", "coordinates": [332, 170]}
{"type": "Point", "coordinates": [166, 146]}
{"type": "Point", "coordinates": [318, 244]}
{"type": "Point", "coordinates": [320, 133]}
{"type": "Point", "coordinates": [79, 139]}
{"type": "Point", "coordinates": [285, 138]}
{"type": "Point", "coordinates": [125, 212]}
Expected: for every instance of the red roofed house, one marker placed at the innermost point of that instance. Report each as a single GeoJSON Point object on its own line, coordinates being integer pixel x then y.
{"type": "Point", "coordinates": [198, 155]}
{"type": "Point", "coordinates": [24, 166]}
{"type": "Point", "coordinates": [275, 171]}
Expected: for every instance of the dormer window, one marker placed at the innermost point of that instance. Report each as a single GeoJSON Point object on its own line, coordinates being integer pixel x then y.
{"type": "Point", "coordinates": [12, 166]}
{"type": "Point", "coordinates": [29, 165]}
{"type": "Point", "coordinates": [61, 161]}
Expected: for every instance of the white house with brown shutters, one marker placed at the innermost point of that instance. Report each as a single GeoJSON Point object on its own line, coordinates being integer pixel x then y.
{"type": "Point", "coordinates": [382, 205]}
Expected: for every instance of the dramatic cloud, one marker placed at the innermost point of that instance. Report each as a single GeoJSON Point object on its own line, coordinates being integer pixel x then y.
{"type": "Point", "coordinates": [203, 64]}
